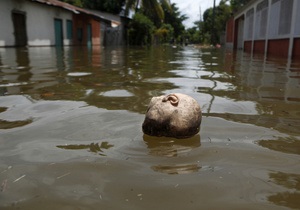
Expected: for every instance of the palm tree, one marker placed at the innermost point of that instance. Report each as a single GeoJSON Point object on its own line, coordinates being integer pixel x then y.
{"type": "Point", "coordinates": [150, 7]}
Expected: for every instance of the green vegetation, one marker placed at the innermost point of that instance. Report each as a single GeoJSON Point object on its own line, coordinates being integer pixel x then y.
{"type": "Point", "coordinates": [209, 30]}
{"type": "Point", "coordinates": [140, 30]}
{"type": "Point", "coordinates": [158, 21]}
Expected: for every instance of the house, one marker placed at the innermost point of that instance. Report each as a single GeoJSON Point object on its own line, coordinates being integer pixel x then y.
{"type": "Point", "coordinates": [269, 27]}
{"type": "Point", "coordinates": [48, 23]}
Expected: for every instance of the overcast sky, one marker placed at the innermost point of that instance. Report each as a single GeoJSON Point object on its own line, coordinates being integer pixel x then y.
{"type": "Point", "coordinates": [191, 8]}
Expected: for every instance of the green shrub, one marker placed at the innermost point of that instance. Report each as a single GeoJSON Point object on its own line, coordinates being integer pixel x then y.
{"type": "Point", "coordinates": [164, 34]}
{"type": "Point", "coordinates": [140, 30]}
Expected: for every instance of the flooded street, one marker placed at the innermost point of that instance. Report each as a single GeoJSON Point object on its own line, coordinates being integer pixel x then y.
{"type": "Point", "coordinates": [71, 136]}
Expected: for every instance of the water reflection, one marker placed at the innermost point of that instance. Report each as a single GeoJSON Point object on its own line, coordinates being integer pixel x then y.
{"type": "Point", "coordinates": [177, 168]}
{"type": "Point", "coordinates": [170, 147]}
{"type": "Point", "coordinates": [229, 85]}
{"type": "Point", "coordinates": [243, 100]}
{"type": "Point", "coordinates": [290, 198]}
{"type": "Point", "coordinates": [273, 86]}
{"type": "Point", "coordinates": [288, 145]}
{"type": "Point", "coordinates": [4, 124]}
{"type": "Point", "coordinates": [97, 148]}
{"type": "Point", "coordinates": [85, 74]}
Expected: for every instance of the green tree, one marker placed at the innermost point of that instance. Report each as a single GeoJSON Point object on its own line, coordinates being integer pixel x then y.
{"type": "Point", "coordinates": [237, 4]}
{"type": "Point", "coordinates": [77, 3]}
{"type": "Point", "coordinates": [175, 19]}
{"type": "Point", "coordinates": [215, 23]}
{"type": "Point", "coordinates": [151, 8]}
{"type": "Point", "coordinates": [140, 30]}
{"type": "Point", "coordinates": [111, 6]}
{"type": "Point", "coordinates": [165, 33]}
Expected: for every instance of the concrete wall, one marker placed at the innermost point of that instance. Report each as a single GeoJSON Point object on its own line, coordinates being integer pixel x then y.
{"type": "Point", "coordinates": [39, 22]}
{"type": "Point", "coordinates": [270, 27]}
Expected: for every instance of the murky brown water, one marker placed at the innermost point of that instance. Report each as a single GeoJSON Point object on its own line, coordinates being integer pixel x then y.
{"type": "Point", "coordinates": [71, 138]}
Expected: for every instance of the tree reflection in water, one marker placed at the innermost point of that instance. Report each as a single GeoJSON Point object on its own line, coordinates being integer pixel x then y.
{"type": "Point", "coordinates": [290, 198]}
{"type": "Point", "coordinates": [93, 147]}
{"type": "Point", "coordinates": [287, 145]}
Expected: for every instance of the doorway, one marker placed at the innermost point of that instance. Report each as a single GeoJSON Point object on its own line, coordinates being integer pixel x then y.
{"type": "Point", "coordinates": [58, 32]}
{"type": "Point", "coordinates": [20, 33]}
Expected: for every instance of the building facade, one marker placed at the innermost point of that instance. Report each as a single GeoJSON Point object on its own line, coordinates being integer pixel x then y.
{"type": "Point", "coordinates": [269, 27]}
{"type": "Point", "coordinates": [49, 23]}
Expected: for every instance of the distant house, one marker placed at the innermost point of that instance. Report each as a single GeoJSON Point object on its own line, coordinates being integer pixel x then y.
{"type": "Point", "coordinates": [269, 27]}
{"type": "Point", "coordinates": [50, 23]}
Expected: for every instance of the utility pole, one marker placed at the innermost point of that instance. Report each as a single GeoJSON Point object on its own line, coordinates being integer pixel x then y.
{"type": "Point", "coordinates": [213, 26]}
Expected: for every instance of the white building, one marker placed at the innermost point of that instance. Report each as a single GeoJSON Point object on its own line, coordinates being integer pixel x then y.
{"type": "Point", "coordinates": [30, 23]}
{"type": "Point", "coordinates": [270, 27]}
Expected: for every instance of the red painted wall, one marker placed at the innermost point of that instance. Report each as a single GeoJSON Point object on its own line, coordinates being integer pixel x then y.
{"type": "Point", "coordinates": [95, 31]}
{"type": "Point", "coordinates": [296, 49]}
{"type": "Point", "coordinates": [229, 30]}
{"type": "Point", "coordinates": [248, 46]}
{"type": "Point", "coordinates": [80, 23]}
{"type": "Point", "coordinates": [278, 47]}
{"type": "Point", "coordinates": [259, 46]}
{"type": "Point", "coordinates": [235, 34]}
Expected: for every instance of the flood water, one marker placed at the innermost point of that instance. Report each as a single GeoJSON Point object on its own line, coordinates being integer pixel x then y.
{"type": "Point", "coordinates": [71, 137]}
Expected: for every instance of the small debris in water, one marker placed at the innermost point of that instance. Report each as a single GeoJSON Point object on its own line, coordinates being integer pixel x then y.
{"type": "Point", "coordinates": [63, 175]}
{"type": "Point", "coordinates": [18, 179]}
{"type": "Point", "coordinates": [3, 185]}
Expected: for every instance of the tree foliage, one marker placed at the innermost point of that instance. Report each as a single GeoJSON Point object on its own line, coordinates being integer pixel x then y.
{"type": "Point", "coordinates": [153, 9]}
{"type": "Point", "coordinates": [77, 3]}
{"type": "Point", "coordinates": [237, 4]}
{"type": "Point", "coordinates": [165, 33]}
{"type": "Point", "coordinates": [214, 23]}
{"type": "Point", "coordinates": [111, 6]}
{"type": "Point", "coordinates": [140, 30]}
{"type": "Point", "coordinates": [175, 19]}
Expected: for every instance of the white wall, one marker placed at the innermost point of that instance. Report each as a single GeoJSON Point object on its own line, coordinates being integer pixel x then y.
{"type": "Point", "coordinates": [6, 24]}
{"type": "Point", "coordinates": [39, 22]}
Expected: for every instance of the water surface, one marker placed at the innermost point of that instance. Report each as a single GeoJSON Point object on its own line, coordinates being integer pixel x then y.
{"type": "Point", "coordinates": [70, 130]}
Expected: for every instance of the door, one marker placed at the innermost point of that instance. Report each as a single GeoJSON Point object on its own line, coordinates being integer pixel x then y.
{"type": "Point", "coordinates": [20, 33]}
{"type": "Point", "coordinates": [58, 32]}
{"type": "Point", "coordinates": [89, 35]}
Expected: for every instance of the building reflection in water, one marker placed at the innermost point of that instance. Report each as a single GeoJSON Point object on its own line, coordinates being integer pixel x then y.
{"type": "Point", "coordinates": [272, 84]}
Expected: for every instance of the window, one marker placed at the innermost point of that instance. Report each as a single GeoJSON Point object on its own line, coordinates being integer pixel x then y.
{"type": "Point", "coordinates": [261, 19]}
{"type": "Point", "coordinates": [249, 24]}
{"type": "Point", "coordinates": [286, 9]}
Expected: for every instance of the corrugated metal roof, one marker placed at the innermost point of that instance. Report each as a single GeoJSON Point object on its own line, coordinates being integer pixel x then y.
{"type": "Point", "coordinates": [74, 9]}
